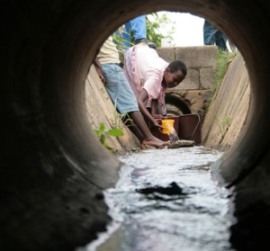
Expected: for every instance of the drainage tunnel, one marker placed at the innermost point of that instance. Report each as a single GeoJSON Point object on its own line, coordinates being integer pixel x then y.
{"type": "Point", "coordinates": [51, 164]}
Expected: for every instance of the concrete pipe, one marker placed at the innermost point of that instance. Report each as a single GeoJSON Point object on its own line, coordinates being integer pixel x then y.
{"type": "Point", "coordinates": [52, 168]}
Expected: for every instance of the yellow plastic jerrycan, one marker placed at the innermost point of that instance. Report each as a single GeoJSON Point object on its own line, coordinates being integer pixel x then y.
{"type": "Point", "coordinates": [167, 126]}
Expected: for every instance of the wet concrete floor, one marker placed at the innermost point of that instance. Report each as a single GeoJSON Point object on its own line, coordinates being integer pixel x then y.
{"type": "Point", "coordinates": [166, 200]}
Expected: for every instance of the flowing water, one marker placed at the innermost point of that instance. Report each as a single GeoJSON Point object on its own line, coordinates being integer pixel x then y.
{"type": "Point", "coordinates": [165, 200]}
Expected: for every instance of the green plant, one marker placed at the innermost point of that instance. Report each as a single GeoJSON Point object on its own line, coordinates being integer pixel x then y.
{"type": "Point", "coordinates": [223, 60]}
{"type": "Point", "coordinates": [103, 133]}
{"type": "Point", "coordinates": [155, 28]}
{"type": "Point", "coordinates": [119, 118]}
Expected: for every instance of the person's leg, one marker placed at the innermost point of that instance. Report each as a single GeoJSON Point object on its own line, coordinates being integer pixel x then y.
{"type": "Point", "coordinates": [119, 89]}
{"type": "Point", "coordinates": [138, 26]}
{"type": "Point", "coordinates": [126, 103]}
{"type": "Point", "coordinates": [149, 138]}
{"type": "Point", "coordinates": [208, 33]}
{"type": "Point", "coordinates": [126, 35]}
{"type": "Point", "coordinates": [221, 41]}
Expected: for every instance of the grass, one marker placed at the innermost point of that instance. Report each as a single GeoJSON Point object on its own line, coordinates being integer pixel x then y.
{"type": "Point", "coordinates": [223, 60]}
{"type": "Point", "coordinates": [224, 124]}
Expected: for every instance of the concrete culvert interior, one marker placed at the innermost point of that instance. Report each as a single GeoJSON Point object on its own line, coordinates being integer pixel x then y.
{"type": "Point", "coordinates": [51, 163]}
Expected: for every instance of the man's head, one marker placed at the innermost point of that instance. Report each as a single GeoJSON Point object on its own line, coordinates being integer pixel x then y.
{"type": "Point", "coordinates": [174, 74]}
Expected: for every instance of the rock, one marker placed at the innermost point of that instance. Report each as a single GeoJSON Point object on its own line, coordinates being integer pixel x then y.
{"type": "Point", "coordinates": [181, 143]}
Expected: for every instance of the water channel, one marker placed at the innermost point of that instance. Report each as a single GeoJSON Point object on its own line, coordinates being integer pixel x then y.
{"type": "Point", "coordinates": [166, 200]}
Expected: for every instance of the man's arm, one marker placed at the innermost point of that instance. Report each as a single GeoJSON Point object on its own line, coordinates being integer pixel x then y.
{"type": "Point", "coordinates": [141, 99]}
{"type": "Point", "coordinates": [99, 70]}
{"type": "Point", "coordinates": [154, 109]}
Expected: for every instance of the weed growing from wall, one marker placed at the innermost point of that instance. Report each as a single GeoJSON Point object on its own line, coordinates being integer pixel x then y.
{"type": "Point", "coordinates": [224, 124]}
{"type": "Point", "coordinates": [103, 133]}
{"type": "Point", "coordinates": [117, 127]}
{"type": "Point", "coordinates": [223, 60]}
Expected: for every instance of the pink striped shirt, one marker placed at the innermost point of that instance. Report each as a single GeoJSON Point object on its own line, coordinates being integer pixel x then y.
{"type": "Point", "coordinates": [144, 70]}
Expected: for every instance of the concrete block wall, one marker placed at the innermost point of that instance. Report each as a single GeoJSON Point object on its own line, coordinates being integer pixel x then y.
{"type": "Point", "coordinates": [201, 64]}
{"type": "Point", "coordinates": [196, 89]}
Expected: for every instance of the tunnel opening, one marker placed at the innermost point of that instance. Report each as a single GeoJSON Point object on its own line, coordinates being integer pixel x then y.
{"type": "Point", "coordinates": [222, 169]}
{"type": "Point", "coordinates": [182, 106]}
{"type": "Point", "coordinates": [48, 48]}
{"type": "Point", "coordinates": [177, 103]}
{"type": "Point", "coordinates": [176, 106]}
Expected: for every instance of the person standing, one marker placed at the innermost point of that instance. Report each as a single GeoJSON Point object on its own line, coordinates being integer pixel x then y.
{"type": "Point", "coordinates": [134, 32]}
{"type": "Point", "coordinates": [137, 27]}
{"type": "Point", "coordinates": [213, 36]}
{"type": "Point", "coordinates": [121, 94]}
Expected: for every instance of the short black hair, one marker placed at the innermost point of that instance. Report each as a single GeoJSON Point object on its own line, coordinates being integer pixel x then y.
{"type": "Point", "coordinates": [177, 65]}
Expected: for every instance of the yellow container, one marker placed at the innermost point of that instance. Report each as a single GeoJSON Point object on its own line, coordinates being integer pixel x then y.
{"type": "Point", "coordinates": [167, 126]}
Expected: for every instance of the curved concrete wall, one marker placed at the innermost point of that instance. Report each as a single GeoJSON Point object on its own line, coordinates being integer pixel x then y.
{"type": "Point", "coordinates": [227, 112]}
{"type": "Point", "coordinates": [52, 169]}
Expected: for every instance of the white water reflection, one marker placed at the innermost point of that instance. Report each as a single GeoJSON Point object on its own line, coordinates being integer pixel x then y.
{"type": "Point", "coordinates": [192, 221]}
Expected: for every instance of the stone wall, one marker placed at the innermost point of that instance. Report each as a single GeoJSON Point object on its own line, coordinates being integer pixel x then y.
{"type": "Point", "coordinates": [196, 89]}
